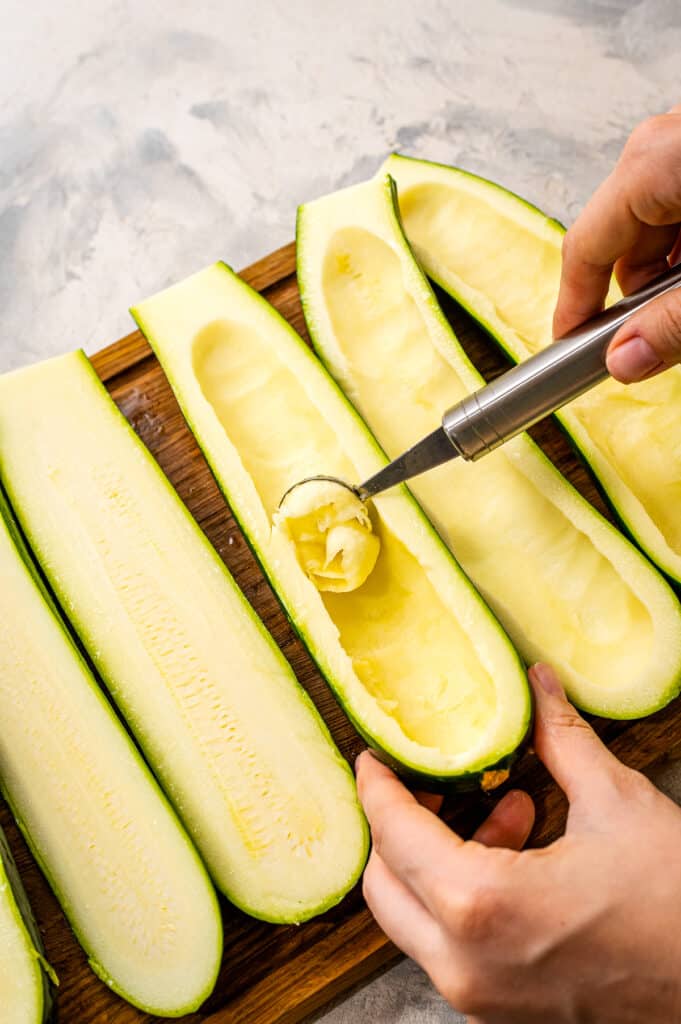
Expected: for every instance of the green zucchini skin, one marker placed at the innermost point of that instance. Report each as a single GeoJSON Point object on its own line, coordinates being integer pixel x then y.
{"type": "Point", "coordinates": [48, 977]}
{"type": "Point", "coordinates": [449, 785]}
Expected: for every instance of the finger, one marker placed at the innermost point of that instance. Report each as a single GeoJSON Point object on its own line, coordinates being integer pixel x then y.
{"type": "Point", "coordinates": [643, 189]}
{"type": "Point", "coordinates": [649, 342]}
{"type": "Point", "coordinates": [605, 230]}
{"type": "Point", "coordinates": [399, 913]}
{"type": "Point", "coordinates": [649, 257]}
{"type": "Point", "coordinates": [510, 823]}
{"type": "Point", "coordinates": [431, 801]}
{"type": "Point", "coordinates": [582, 766]}
{"type": "Point", "coordinates": [415, 845]}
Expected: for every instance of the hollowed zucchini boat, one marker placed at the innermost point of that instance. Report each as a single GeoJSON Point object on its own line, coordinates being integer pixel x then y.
{"type": "Point", "coordinates": [500, 258]}
{"type": "Point", "coordinates": [123, 869]}
{"type": "Point", "coordinates": [566, 585]}
{"type": "Point", "coordinates": [26, 979]}
{"type": "Point", "coordinates": [233, 739]}
{"type": "Point", "coordinates": [416, 659]}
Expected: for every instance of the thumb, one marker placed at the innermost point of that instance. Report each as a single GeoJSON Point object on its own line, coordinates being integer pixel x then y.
{"type": "Point", "coordinates": [574, 755]}
{"type": "Point", "coordinates": [649, 342]}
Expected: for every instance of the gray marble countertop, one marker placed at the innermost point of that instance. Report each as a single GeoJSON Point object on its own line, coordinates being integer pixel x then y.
{"type": "Point", "coordinates": [141, 141]}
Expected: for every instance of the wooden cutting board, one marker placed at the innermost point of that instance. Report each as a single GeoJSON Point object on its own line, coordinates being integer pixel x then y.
{"type": "Point", "coordinates": [277, 974]}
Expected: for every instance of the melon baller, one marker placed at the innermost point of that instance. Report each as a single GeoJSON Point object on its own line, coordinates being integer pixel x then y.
{"type": "Point", "coordinates": [518, 398]}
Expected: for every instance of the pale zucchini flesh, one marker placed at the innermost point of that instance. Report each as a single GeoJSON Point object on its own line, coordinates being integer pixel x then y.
{"type": "Point", "coordinates": [25, 978]}
{"type": "Point", "coordinates": [416, 659]}
{"type": "Point", "coordinates": [233, 739]}
{"type": "Point", "coordinates": [126, 874]}
{"type": "Point", "coordinates": [566, 585]}
{"type": "Point", "coordinates": [500, 258]}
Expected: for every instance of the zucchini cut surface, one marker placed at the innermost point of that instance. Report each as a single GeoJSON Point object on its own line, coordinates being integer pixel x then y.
{"type": "Point", "coordinates": [566, 585]}
{"type": "Point", "coordinates": [25, 985]}
{"type": "Point", "coordinates": [500, 258]}
{"type": "Point", "coordinates": [233, 739]}
{"type": "Point", "coordinates": [126, 874]}
{"type": "Point", "coordinates": [416, 659]}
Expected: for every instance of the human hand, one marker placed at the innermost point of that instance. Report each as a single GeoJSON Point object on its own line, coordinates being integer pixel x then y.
{"type": "Point", "coordinates": [631, 225]}
{"type": "Point", "coordinates": [584, 930]}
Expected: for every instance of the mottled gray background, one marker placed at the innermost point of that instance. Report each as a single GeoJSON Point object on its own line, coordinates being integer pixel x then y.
{"type": "Point", "coordinates": [141, 141]}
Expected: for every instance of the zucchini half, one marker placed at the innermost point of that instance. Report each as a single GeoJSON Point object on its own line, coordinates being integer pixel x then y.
{"type": "Point", "coordinates": [565, 584]}
{"type": "Point", "coordinates": [123, 869]}
{"type": "Point", "coordinates": [500, 258]}
{"type": "Point", "coordinates": [26, 979]}
{"type": "Point", "coordinates": [233, 739]}
{"type": "Point", "coordinates": [416, 659]}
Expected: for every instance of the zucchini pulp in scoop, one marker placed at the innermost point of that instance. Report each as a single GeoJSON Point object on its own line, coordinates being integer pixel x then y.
{"type": "Point", "coordinates": [234, 740]}
{"type": "Point", "coordinates": [26, 980]}
{"type": "Point", "coordinates": [122, 867]}
{"type": "Point", "coordinates": [331, 531]}
{"type": "Point", "coordinates": [500, 258]}
{"type": "Point", "coordinates": [566, 585]}
{"type": "Point", "coordinates": [416, 659]}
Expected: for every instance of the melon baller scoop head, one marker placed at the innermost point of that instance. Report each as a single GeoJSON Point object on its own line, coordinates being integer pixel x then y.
{"type": "Point", "coordinates": [518, 398]}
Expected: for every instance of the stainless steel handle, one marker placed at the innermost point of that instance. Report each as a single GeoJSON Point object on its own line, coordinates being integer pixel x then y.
{"type": "Point", "coordinates": [546, 381]}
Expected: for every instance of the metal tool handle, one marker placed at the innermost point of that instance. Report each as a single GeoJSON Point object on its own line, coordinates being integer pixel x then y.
{"type": "Point", "coordinates": [546, 381]}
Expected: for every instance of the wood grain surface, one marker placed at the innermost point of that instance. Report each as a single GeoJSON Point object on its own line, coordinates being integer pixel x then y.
{"type": "Point", "coordinates": [280, 974]}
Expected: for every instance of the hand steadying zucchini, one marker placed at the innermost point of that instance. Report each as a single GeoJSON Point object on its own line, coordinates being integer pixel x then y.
{"type": "Point", "coordinates": [416, 659]}
{"type": "Point", "coordinates": [124, 871]}
{"type": "Point", "coordinates": [566, 585]}
{"type": "Point", "coordinates": [26, 979]}
{"type": "Point", "coordinates": [234, 740]}
{"type": "Point", "coordinates": [500, 258]}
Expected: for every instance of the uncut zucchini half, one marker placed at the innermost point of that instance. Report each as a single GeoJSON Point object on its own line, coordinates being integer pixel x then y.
{"type": "Point", "coordinates": [234, 740]}
{"type": "Point", "coordinates": [26, 979]}
{"type": "Point", "coordinates": [565, 584]}
{"type": "Point", "coordinates": [126, 874]}
{"type": "Point", "coordinates": [416, 659]}
{"type": "Point", "coordinates": [500, 258]}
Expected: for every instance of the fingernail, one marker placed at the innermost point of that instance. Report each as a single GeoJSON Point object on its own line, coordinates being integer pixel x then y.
{"type": "Point", "coordinates": [633, 360]}
{"type": "Point", "coordinates": [547, 679]}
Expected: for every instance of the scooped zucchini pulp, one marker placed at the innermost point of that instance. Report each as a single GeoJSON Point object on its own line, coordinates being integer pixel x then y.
{"type": "Point", "coordinates": [26, 979]}
{"type": "Point", "coordinates": [122, 867]}
{"type": "Point", "coordinates": [500, 258]}
{"type": "Point", "coordinates": [331, 531]}
{"type": "Point", "coordinates": [233, 739]}
{"type": "Point", "coordinates": [417, 660]}
{"type": "Point", "coordinates": [566, 585]}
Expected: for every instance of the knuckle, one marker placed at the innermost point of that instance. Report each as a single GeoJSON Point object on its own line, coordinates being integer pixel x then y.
{"type": "Point", "coordinates": [630, 785]}
{"type": "Point", "coordinates": [572, 248]}
{"type": "Point", "coordinates": [578, 251]}
{"type": "Point", "coordinates": [644, 135]}
{"type": "Point", "coordinates": [474, 915]}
